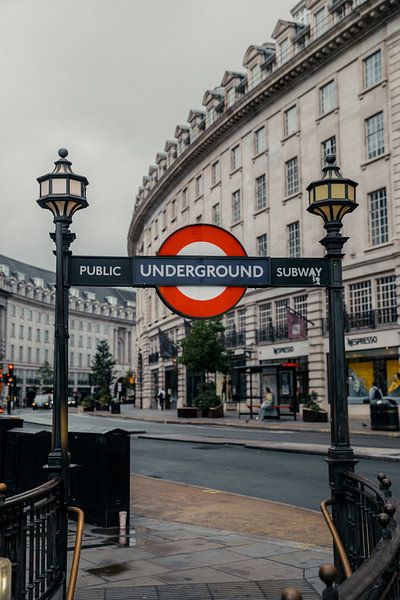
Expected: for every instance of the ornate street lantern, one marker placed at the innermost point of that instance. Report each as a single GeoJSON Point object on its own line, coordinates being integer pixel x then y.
{"type": "Point", "coordinates": [62, 191]}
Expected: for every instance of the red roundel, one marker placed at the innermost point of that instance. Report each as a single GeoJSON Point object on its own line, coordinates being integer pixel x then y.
{"type": "Point", "coordinates": [201, 302]}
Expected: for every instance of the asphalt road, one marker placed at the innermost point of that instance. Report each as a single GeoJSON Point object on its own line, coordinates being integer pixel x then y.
{"type": "Point", "coordinates": [82, 422]}
{"type": "Point", "coordinates": [297, 479]}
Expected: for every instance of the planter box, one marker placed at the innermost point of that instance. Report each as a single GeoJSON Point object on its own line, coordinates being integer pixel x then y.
{"type": "Point", "coordinates": [314, 417]}
{"type": "Point", "coordinates": [216, 412]}
{"type": "Point", "coordinates": [187, 412]}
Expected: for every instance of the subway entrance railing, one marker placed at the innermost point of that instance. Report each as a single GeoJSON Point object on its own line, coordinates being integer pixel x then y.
{"type": "Point", "coordinates": [32, 529]}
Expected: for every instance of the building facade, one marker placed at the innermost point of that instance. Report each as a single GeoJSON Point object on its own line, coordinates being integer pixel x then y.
{"type": "Point", "coordinates": [328, 83]}
{"type": "Point", "coordinates": [27, 298]}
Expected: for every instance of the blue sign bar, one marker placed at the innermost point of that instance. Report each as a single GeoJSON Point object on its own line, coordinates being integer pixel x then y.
{"type": "Point", "coordinates": [171, 271]}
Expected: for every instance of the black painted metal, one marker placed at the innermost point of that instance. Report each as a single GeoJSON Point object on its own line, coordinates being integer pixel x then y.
{"type": "Point", "coordinates": [340, 453]}
{"type": "Point", "coordinates": [372, 543]}
{"type": "Point", "coordinates": [30, 527]}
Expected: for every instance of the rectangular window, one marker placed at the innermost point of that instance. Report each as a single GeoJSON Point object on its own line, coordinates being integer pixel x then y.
{"type": "Point", "coordinates": [264, 315]}
{"type": "Point", "coordinates": [379, 230]}
{"type": "Point", "coordinates": [281, 315]}
{"type": "Point", "coordinates": [284, 51]}
{"type": "Point", "coordinates": [12, 329]}
{"type": "Point", "coordinates": [261, 192]}
{"type": "Point", "coordinates": [230, 323]}
{"type": "Point", "coordinates": [215, 173]}
{"type": "Point", "coordinates": [21, 354]}
{"type": "Point", "coordinates": [290, 121]}
{"type": "Point", "coordinates": [12, 352]}
{"type": "Point", "coordinates": [29, 355]}
{"type": "Point", "coordinates": [319, 22]}
{"type": "Point", "coordinates": [328, 147]}
{"type": "Point", "coordinates": [38, 335]}
{"type": "Point", "coordinates": [236, 160]}
{"type": "Point", "coordinates": [21, 332]}
{"type": "Point", "coordinates": [327, 98]}
{"type": "Point", "coordinates": [216, 214]}
{"type": "Point", "coordinates": [242, 320]}
{"type": "Point", "coordinates": [293, 232]}
{"type": "Point", "coordinates": [236, 207]}
{"type": "Point", "coordinates": [46, 355]}
{"type": "Point", "coordinates": [360, 299]}
{"type": "Point", "coordinates": [38, 355]}
{"type": "Point", "coordinates": [184, 198]}
{"type": "Point", "coordinates": [260, 140]}
{"type": "Point", "coordinates": [80, 341]}
{"type": "Point", "coordinates": [230, 97]}
{"type": "Point", "coordinates": [199, 186]}
{"type": "Point", "coordinates": [46, 336]}
{"type": "Point", "coordinates": [387, 302]}
{"type": "Point", "coordinates": [255, 76]}
{"type": "Point", "coordinates": [372, 69]}
{"type": "Point", "coordinates": [173, 210]}
{"type": "Point", "coordinates": [13, 310]}
{"type": "Point", "coordinates": [29, 333]}
{"type": "Point", "coordinates": [292, 176]}
{"type": "Point", "coordinates": [375, 135]}
{"type": "Point", "coordinates": [164, 218]}
{"type": "Point", "coordinates": [262, 249]}
{"type": "Point", "coordinates": [71, 359]}
{"type": "Point", "coordinates": [300, 305]}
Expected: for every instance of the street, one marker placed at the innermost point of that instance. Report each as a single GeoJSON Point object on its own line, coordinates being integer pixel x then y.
{"type": "Point", "coordinates": [303, 478]}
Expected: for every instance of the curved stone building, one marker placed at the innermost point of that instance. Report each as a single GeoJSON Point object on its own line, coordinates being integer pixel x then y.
{"type": "Point", "coordinates": [329, 82]}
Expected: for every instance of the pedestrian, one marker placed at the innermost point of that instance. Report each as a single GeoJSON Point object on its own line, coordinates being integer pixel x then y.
{"type": "Point", "coordinates": [267, 405]}
{"type": "Point", "coordinates": [375, 393]}
{"type": "Point", "coordinates": [161, 397]}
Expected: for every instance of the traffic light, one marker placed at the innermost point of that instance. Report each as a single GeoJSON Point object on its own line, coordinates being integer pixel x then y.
{"type": "Point", "coordinates": [131, 380]}
{"type": "Point", "coordinates": [10, 378]}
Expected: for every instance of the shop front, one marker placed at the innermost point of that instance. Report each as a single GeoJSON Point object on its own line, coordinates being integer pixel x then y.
{"type": "Point", "coordinates": [285, 371]}
{"type": "Point", "coordinates": [372, 357]}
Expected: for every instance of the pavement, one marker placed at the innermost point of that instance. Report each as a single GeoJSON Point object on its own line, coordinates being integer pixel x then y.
{"type": "Point", "coordinates": [187, 542]}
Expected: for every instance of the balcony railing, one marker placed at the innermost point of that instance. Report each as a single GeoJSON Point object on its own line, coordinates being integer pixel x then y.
{"type": "Point", "coordinates": [153, 357]}
{"type": "Point", "coordinates": [273, 333]}
{"type": "Point", "coordinates": [370, 319]}
{"type": "Point", "coordinates": [234, 339]}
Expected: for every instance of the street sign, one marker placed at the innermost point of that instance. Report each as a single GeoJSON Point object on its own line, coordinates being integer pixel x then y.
{"type": "Point", "coordinates": [201, 271]}
{"type": "Point", "coordinates": [100, 271]}
{"type": "Point", "coordinates": [299, 272]}
{"type": "Point", "coordinates": [201, 301]}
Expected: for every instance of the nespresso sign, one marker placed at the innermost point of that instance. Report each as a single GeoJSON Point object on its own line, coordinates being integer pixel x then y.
{"type": "Point", "coordinates": [283, 350]}
{"type": "Point", "coordinates": [371, 339]}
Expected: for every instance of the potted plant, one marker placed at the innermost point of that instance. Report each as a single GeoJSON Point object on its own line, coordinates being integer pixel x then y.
{"type": "Point", "coordinates": [312, 412]}
{"type": "Point", "coordinates": [87, 403]}
{"type": "Point", "coordinates": [207, 400]}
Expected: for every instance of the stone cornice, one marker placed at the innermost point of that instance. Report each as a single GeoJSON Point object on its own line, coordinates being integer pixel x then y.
{"type": "Point", "coordinates": [357, 24]}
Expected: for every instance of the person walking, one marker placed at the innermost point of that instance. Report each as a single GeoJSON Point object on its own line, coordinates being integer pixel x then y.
{"type": "Point", "coordinates": [161, 397]}
{"type": "Point", "coordinates": [375, 393]}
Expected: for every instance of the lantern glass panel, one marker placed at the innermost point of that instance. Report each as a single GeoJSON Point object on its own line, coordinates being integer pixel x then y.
{"type": "Point", "coordinates": [338, 191]}
{"type": "Point", "coordinates": [75, 187]}
{"type": "Point", "coordinates": [351, 193]}
{"type": "Point", "coordinates": [59, 186]}
{"type": "Point", "coordinates": [44, 188]}
{"type": "Point", "coordinates": [321, 193]}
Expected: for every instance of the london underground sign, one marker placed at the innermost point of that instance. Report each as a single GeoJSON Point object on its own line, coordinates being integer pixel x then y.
{"type": "Point", "coordinates": [200, 271]}
{"type": "Point", "coordinates": [205, 301]}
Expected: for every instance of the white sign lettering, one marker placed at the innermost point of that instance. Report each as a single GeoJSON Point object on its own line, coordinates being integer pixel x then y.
{"type": "Point", "coordinates": [187, 271]}
{"type": "Point", "coordinates": [100, 270]}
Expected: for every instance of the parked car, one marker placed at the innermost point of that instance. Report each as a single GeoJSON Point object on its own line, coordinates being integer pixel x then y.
{"type": "Point", "coordinates": [72, 401]}
{"type": "Point", "coordinates": [42, 401]}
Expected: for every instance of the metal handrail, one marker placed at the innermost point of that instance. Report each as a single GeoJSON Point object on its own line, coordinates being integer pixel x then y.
{"type": "Point", "coordinates": [336, 538]}
{"type": "Point", "coordinates": [77, 552]}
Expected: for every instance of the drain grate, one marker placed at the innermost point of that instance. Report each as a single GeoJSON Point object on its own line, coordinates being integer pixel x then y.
{"type": "Point", "coordinates": [248, 590]}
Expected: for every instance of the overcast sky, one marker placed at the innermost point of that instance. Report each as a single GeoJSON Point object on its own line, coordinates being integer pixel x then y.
{"type": "Point", "coordinates": [109, 80]}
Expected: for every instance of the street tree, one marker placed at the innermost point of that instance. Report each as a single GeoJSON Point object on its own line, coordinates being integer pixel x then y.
{"type": "Point", "coordinates": [203, 349]}
{"type": "Point", "coordinates": [45, 374]}
{"type": "Point", "coordinates": [102, 368]}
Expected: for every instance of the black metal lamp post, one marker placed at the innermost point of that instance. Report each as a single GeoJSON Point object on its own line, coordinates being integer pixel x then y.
{"type": "Point", "coordinates": [331, 198]}
{"type": "Point", "coordinates": [63, 193]}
